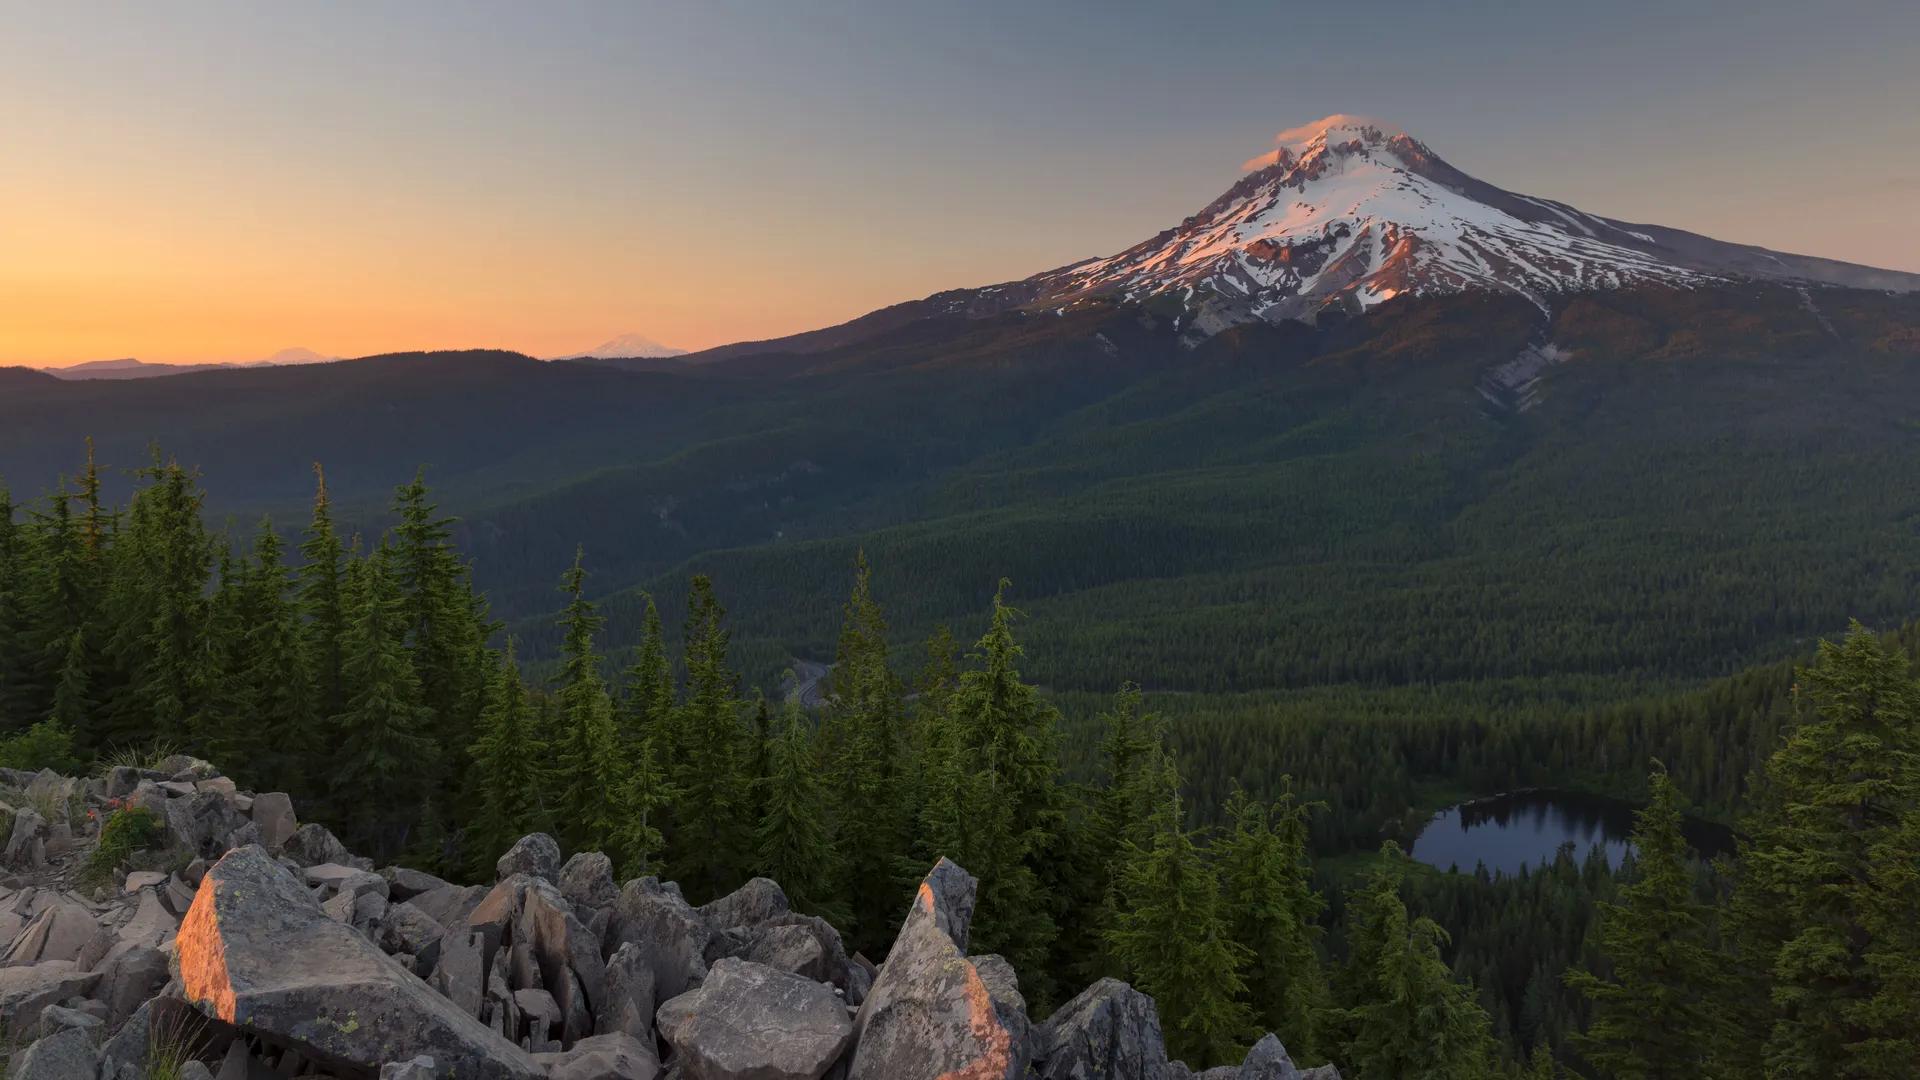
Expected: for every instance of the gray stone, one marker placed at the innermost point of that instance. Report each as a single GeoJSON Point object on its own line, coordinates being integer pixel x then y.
{"type": "Point", "coordinates": [587, 880]}
{"type": "Point", "coordinates": [67, 1054]}
{"type": "Point", "coordinates": [407, 929]}
{"type": "Point", "coordinates": [53, 1018]}
{"type": "Point", "coordinates": [405, 884]}
{"type": "Point", "coordinates": [26, 991]}
{"type": "Point", "coordinates": [749, 905]}
{"type": "Point", "coordinates": [750, 1022]}
{"type": "Point", "coordinates": [541, 1014]}
{"type": "Point", "coordinates": [144, 879]}
{"type": "Point", "coordinates": [931, 1013]}
{"type": "Point", "coordinates": [788, 948]}
{"type": "Point", "coordinates": [256, 951]}
{"type": "Point", "coordinates": [272, 814]}
{"type": "Point", "coordinates": [449, 905]}
{"type": "Point", "coordinates": [129, 979]}
{"type": "Point", "coordinates": [152, 924]}
{"type": "Point", "coordinates": [670, 933]}
{"type": "Point", "coordinates": [536, 855]}
{"type": "Point", "coordinates": [561, 945]}
{"type": "Point", "coordinates": [27, 844]}
{"type": "Point", "coordinates": [1109, 1029]}
{"type": "Point", "coordinates": [628, 1004]}
{"type": "Point", "coordinates": [58, 933]}
{"type": "Point", "coordinates": [1320, 1072]}
{"type": "Point", "coordinates": [604, 1057]}
{"type": "Point", "coordinates": [333, 879]}
{"type": "Point", "coordinates": [418, 1068]}
{"type": "Point", "coordinates": [312, 844]}
{"type": "Point", "coordinates": [460, 972]}
{"type": "Point", "coordinates": [1009, 1005]}
{"type": "Point", "coordinates": [202, 821]}
{"type": "Point", "coordinates": [1268, 1060]}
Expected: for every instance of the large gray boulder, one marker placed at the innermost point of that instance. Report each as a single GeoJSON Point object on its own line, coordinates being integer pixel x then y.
{"type": "Point", "coordinates": [460, 971]}
{"type": "Point", "coordinates": [272, 814]}
{"type": "Point", "coordinates": [930, 1014]}
{"type": "Point", "coordinates": [569, 957]}
{"type": "Point", "coordinates": [668, 931]}
{"type": "Point", "coordinates": [749, 905]}
{"type": "Point", "coordinates": [129, 978]}
{"type": "Point", "coordinates": [67, 1054]}
{"type": "Point", "coordinates": [628, 1005]}
{"type": "Point", "coordinates": [1268, 1060]}
{"type": "Point", "coordinates": [59, 932]}
{"type": "Point", "coordinates": [255, 951]}
{"type": "Point", "coordinates": [587, 880]}
{"type": "Point", "coordinates": [750, 1022]}
{"type": "Point", "coordinates": [536, 855]}
{"type": "Point", "coordinates": [25, 991]}
{"type": "Point", "coordinates": [1109, 1030]}
{"type": "Point", "coordinates": [604, 1057]}
{"type": "Point", "coordinates": [27, 844]}
{"type": "Point", "coordinates": [201, 822]}
{"type": "Point", "coordinates": [312, 844]}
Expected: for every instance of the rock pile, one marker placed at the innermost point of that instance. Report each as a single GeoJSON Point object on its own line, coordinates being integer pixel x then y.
{"type": "Point", "coordinates": [266, 949]}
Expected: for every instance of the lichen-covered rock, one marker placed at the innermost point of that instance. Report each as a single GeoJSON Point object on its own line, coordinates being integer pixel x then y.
{"type": "Point", "coordinates": [750, 1022]}
{"type": "Point", "coordinates": [587, 880]}
{"type": "Point", "coordinates": [1109, 1030]}
{"type": "Point", "coordinates": [628, 1004]}
{"type": "Point", "coordinates": [568, 956]}
{"type": "Point", "coordinates": [930, 1013]}
{"type": "Point", "coordinates": [25, 991]}
{"type": "Point", "coordinates": [669, 932]}
{"type": "Point", "coordinates": [536, 855]}
{"type": "Point", "coordinates": [749, 905]}
{"type": "Point", "coordinates": [1268, 1060]}
{"type": "Point", "coordinates": [201, 822]}
{"type": "Point", "coordinates": [27, 844]}
{"type": "Point", "coordinates": [67, 1054]}
{"type": "Point", "coordinates": [604, 1057]}
{"type": "Point", "coordinates": [59, 932]}
{"type": "Point", "coordinates": [272, 814]}
{"type": "Point", "coordinates": [312, 844]}
{"type": "Point", "coordinates": [255, 951]}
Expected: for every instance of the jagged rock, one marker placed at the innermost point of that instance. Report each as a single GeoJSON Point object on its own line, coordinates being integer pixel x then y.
{"type": "Point", "coordinates": [750, 1022]}
{"type": "Point", "coordinates": [49, 788]}
{"type": "Point", "coordinates": [496, 910]}
{"type": "Point", "coordinates": [1109, 1029]}
{"type": "Point", "coordinates": [628, 1004]}
{"type": "Point", "coordinates": [54, 1018]}
{"type": "Point", "coordinates": [460, 971]}
{"type": "Point", "coordinates": [25, 991]}
{"type": "Point", "coordinates": [27, 844]}
{"type": "Point", "coordinates": [332, 879]}
{"type": "Point", "coordinates": [130, 978]}
{"type": "Point", "coordinates": [152, 924]}
{"type": "Point", "coordinates": [405, 884]}
{"type": "Point", "coordinates": [604, 1057]}
{"type": "Point", "coordinates": [541, 1014]}
{"type": "Point", "coordinates": [272, 814]}
{"type": "Point", "coordinates": [523, 971]}
{"type": "Point", "coordinates": [68, 1054]}
{"type": "Point", "coordinates": [1009, 1005]}
{"type": "Point", "coordinates": [256, 951]}
{"type": "Point", "coordinates": [749, 905]}
{"type": "Point", "coordinates": [788, 948]}
{"type": "Point", "coordinates": [312, 844]}
{"type": "Point", "coordinates": [148, 796]}
{"type": "Point", "coordinates": [670, 933]}
{"type": "Point", "coordinates": [419, 1068]}
{"type": "Point", "coordinates": [1268, 1060]}
{"type": "Point", "coordinates": [561, 945]}
{"type": "Point", "coordinates": [178, 895]}
{"type": "Point", "coordinates": [930, 1014]}
{"type": "Point", "coordinates": [144, 879]}
{"type": "Point", "coordinates": [407, 929]}
{"type": "Point", "coordinates": [248, 833]}
{"type": "Point", "coordinates": [1320, 1072]}
{"type": "Point", "coordinates": [201, 822]}
{"type": "Point", "coordinates": [121, 780]}
{"type": "Point", "coordinates": [587, 880]}
{"type": "Point", "coordinates": [58, 933]}
{"type": "Point", "coordinates": [536, 855]}
{"type": "Point", "coordinates": [219, 785]}
{"type": "Point", "coordinates": [187, 768]}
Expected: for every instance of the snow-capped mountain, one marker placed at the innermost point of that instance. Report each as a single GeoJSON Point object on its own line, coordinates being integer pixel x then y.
{"type": "Point", "coordinates": [624, 346]}
{"type": "Point", "coordinates": [1348, 213]}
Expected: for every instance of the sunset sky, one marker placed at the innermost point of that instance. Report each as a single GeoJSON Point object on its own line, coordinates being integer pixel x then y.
{"type": "Point", "coordinates": [203, 181]}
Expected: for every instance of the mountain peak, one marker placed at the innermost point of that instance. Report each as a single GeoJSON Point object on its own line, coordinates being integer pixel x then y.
{"type": "Point", "coordinates": [1338, 133]}
{"type": "Point", "coordinates": [625, 346]}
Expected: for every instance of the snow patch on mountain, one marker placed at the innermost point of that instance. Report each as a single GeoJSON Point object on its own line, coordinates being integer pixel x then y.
{"type": "Point", "coordinates": [626, 345]}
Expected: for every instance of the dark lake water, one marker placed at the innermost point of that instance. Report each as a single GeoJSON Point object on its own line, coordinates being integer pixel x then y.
{"type": "Point", "coordinates": [1526, 828]}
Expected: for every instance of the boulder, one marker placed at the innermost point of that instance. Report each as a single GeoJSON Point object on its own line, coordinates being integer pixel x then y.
{"type": "Point", "coordinates": [931, 1013]}
{"type": "Point", "coordinates": [1009, 1005]}
{"type": "Point", "coordinates": [255, 951]}
{"type": "Point", "coordinates": [272, 814]}
{"type": "Point", "coordinates": [1268, 1060]}
{"type": "Point", "coordinates": [26, 991]}
{"type": "Point", "coordinates": [669, 932]}
{"type": "Point", "coordinates": [58, 933]}
{"type": "Point", "coordinates": [53, 1018]}
{"type": "Point", "coordinates": [460, 971]}
{"type": "Point", "coordinates": [750, 1022]}
{"type": "Point", "coordinates": [405, 884]}
{"type": "Point", "coordinates": [27, 844]}
{"type": "Point", "coordinates": [407, 929]}
{"type": "Point", "coordinates": [68, 1054]}
{"type": "Point", "coordinates": [541, 1014]}
{"type": "Point", "coordinates": [749, 905]}
{"type": "Point", "coordinates": [604, 1057]}
{"type": "Point", "coordinates": [449, 905]}
{"type": "Point", "coordinates": [1110, 1029]}
{"type": "Point", "coordinates": [495, 912]}
{"type": "Point", "coordinates": [129, 978]}
{"type": "Point", "coordinates": [562, 947]}
{"type": "Point", "coordinates": [152, 924]}
{"type": "Point", "coordinates": [834, 965]}
{"type": "Point", "coordinates": [312, 844]}
{"type": "Point", "coordinates": [788, 948]}
{"type": "Point", "coordinates": [587, 880]}
{"type": "Point", "coordinates": [332, 879]}
{"type": "Point", "coordinates": [202, 821]}
{"type": "Point", "coordinates": [536, 855]}
{"type": "Point", "coordinates": [627, 1006]}
{"type": "Point", "coordinates": [144, 879]}
{"type": "Point", "coordinates": [417, 1068]}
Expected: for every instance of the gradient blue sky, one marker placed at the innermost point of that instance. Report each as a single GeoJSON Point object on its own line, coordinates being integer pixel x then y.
{"type": "Point", "coordinates": [218, 181]}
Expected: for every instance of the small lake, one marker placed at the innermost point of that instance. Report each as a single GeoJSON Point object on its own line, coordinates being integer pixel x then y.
{"type": "Point", "coordinates": [1526, 828]}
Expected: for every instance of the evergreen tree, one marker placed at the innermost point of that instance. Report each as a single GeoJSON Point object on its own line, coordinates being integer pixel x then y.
{"type": "Point", "coordinates": [795, 846]}
{"type": "Point", "coordinates": [873, 819]}
{"type": "Point", "coordinates": [1171, 939]}
{"type": "Point", "coordinates": [14, 669]}
{"type": "Point", "coordinates": [1813, 886]}
{"type": "Point", "coordinates": [320, 600]}
{"type": "Point", "coordinates": [506, 781]}
{"type": "Point", "coordinates": [1651, 1019]}
{"type": "Point", "coordinates": [708, 837]}
{"type": "Point", "coordinates": [1401, 1013]}
{"type": "Point", "coordinates": [647, 698]}
{"type": "Point", "coordinates": [283, 750]}
{"type": "Point", "coordinates": [1271, 908]}
{"type": "Point", "coordinates": [384, 734]}
{"type": "Point", "coordinates": [72, 703]}
{"type": "Point", "coordinates": [593, 781]}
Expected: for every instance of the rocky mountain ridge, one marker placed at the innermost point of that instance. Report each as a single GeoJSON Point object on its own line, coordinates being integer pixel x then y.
{"type": "Point", "coordinates": [231, 941]}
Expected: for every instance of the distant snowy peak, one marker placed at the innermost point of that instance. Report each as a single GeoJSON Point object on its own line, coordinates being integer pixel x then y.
{"type": "Point", "coordinates": [1349, 212]}
{"type": "Point", "coordinates": [624, 346]}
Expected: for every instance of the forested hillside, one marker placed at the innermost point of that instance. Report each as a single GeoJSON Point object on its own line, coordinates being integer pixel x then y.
{"type": "Point", "coordinates": [369, 682]}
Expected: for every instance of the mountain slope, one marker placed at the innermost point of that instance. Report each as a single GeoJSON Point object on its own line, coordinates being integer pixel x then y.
{"type": "Point", "coordinates": [1346, 214]}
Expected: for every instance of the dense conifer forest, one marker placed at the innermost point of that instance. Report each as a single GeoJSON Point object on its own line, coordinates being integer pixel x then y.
{"type": "Point", "coordinates": [1210, 862]}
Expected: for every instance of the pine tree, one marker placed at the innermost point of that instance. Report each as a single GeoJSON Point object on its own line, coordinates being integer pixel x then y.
{"type": "Point", "coordinates": [1401, 1013]}
{"type": "Point", "coordinates": [275, 672]}
{"type": "Point", "coordinates": [506, 781]}
{"type": "Point", "coordinates": [1651, 1019]}
{"type": "Point", "coordinates": [592, 780]}
{"type": "Point", "coordinates": [72, 701]}
{"type": "Point", "coordinates": [708, 837]}
{"type": "Point", "coordinates": [320, 601]}
{"type": "Point", "coordinates": [647, 697]}
{"type": "Point", "coordinates": [158, 607]}
{"type": "Point", "coordinates": [795, 846]}
{"type": "Point", "coordinates": [1540, 1065]}
{"type": "Point", "coordinates": [873, 818]}
{"type": "Point", "coordinates": [14, 670]}
{"type": "Point", "coordinates": [383, 735]}
{"type": "Point", "coordinates": [1271, 908]}
{"type": "Point", "coordinates": [227, 727]}
{"type": "Point", "coordinates": [1837, 807]}
{"type": "Point", "coordinates": [1171, 939]}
